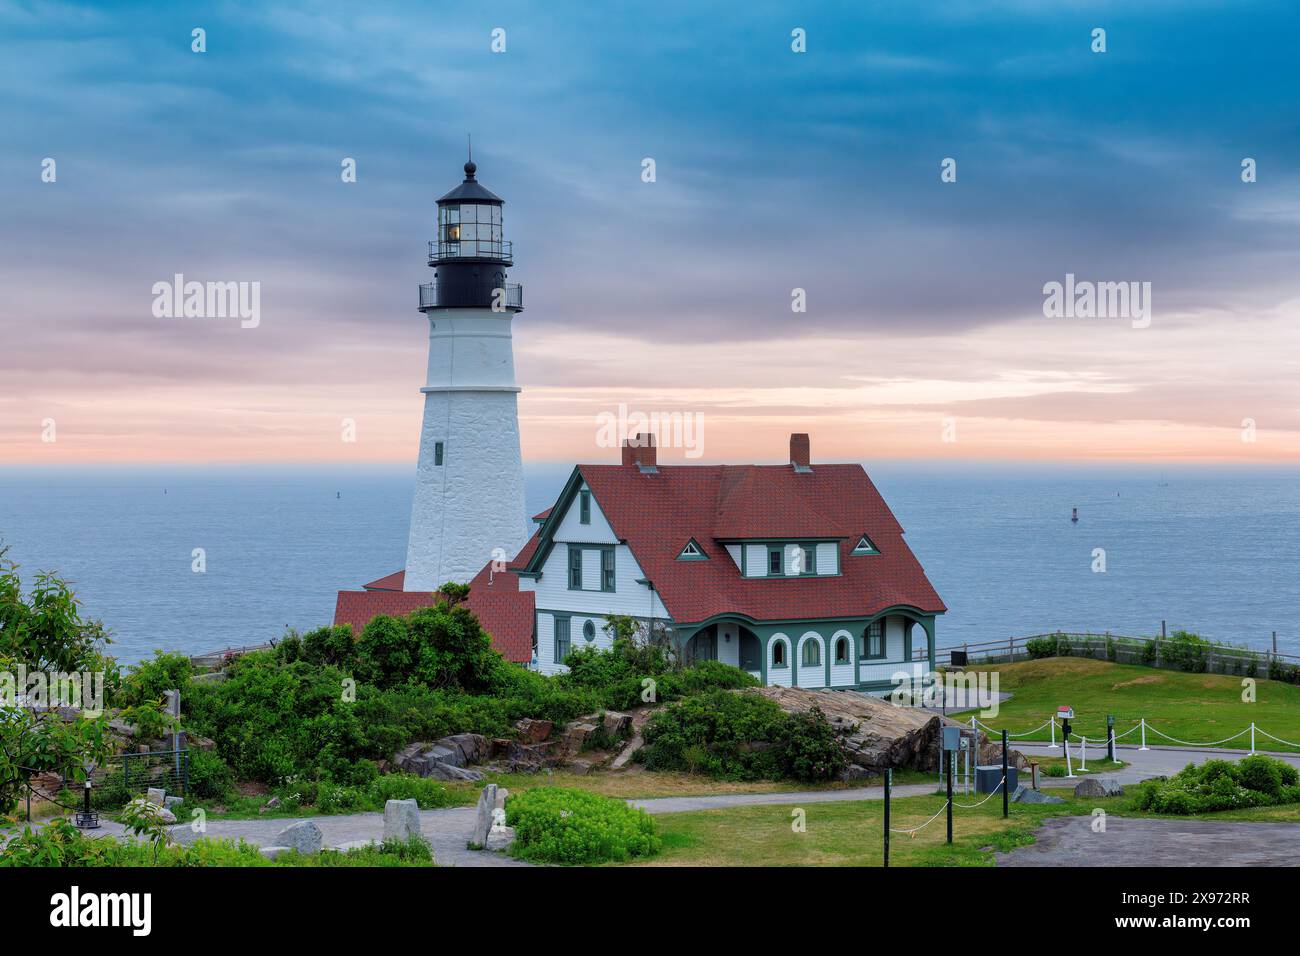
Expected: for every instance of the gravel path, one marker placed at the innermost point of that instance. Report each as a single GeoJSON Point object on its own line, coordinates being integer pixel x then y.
{"type": "Point", "coordinates": [1131, 841]}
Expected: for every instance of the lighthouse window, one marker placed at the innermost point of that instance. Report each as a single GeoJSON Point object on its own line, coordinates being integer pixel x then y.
{"type": "Point", "coordinates": [437, 453]}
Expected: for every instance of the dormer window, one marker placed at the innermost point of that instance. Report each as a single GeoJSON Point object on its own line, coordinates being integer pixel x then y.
{"type": "Point", "coordinates": [692, 552]}
{"type": "Point", "coordinates": [864, 546]}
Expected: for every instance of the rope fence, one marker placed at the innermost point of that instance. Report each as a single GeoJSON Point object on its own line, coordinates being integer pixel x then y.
{"type": "Point", "coordinates": [1141, 726]}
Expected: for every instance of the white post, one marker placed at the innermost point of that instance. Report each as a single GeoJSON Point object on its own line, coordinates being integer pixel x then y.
{"type": "Point", "coordinates": [972, 724]}
{"type": "Point", "coordinates": [1144, 734]}
{"type": "Point", "coordinates": [1083, 754]}
{"type": "Point", "coordinates": [1252, 738]}
{"type": "Point", "coordinates": [1069, 771]}
{"type": "Point", "coordinates": [1052, 745]}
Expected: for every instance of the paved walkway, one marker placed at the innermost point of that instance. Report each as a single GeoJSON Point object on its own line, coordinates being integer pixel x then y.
{"type": "Point", "coordinates": [722, 800]}
{"type": "Point", "coordinates": [1142, 764]}
{"type": "Point", "coordinates": [1134, 841]}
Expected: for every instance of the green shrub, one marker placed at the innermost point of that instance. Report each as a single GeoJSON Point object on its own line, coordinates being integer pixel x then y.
{"type": "Point", "coordinates": [209, 777]}
{"type": "Point", "coordinates": [148, 680]}
{"type": "Point", "coordinates": [1186, 651]}
{"type": "Point", "coordinates": [560, 825]}
{"type": "Point", "coordinates": [1040, 647]}
{"type": "Point", "coordinates": [810, 748]}
{"type": "Point", "coordinates": [1257, 781]}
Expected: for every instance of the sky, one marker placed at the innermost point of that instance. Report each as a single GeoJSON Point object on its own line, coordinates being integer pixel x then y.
{"type": "Point", "coordinates": [924, 334]}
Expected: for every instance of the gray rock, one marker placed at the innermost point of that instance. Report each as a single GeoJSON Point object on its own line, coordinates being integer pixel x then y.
{"type": "Point", "coordinates": [500, 838]}
{"type": "Point", "coordinates": [446, 771]}
{"type": "Point", "coordinates": [442, 753]}
{"type": "Point", "coordinates": [487, 801]}
{"type": "Point", "coordinates": [502, 794]}
{"type": "Point", "coordinates": [166, 816]}
{"type": "Point", "coordinates": [172, 802]}
{"type": "Point", "coordinates": [157, 796]}
{"type": "Point", "coordinates": [271, 852]}
{"type": "Point", "coordinates": [1028, 795]}
{"type": "Point", "coordinates": [473, 748]}
{"type": "Point", "coordinates": [1089, 787]}
{"type": "Point", "coordinates": [616, 724]}
{"type": "Point", "coordinates": [1111, 786]}
{"type": "Point", "coordinates": [304, 836]}
{"type": "Point", "coordinates": [401, 820]}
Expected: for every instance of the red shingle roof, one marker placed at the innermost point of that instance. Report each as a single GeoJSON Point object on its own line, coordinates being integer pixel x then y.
{"type": "Point", "coordinates": [656, 514]}
{"type": "Point", "coordinates": [505, 612]}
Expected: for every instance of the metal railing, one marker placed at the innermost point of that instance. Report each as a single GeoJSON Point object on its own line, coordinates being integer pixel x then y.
{"type": "Point", "coordinates": [498, 249]}
{"type": "Point", "coordinates": [471, 295]}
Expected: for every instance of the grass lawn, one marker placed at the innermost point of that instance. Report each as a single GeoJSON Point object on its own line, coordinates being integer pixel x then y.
{"type": "Point", "coordinates": [850, 834]}
{"type": "Point", "coordinates": [1198, 708]}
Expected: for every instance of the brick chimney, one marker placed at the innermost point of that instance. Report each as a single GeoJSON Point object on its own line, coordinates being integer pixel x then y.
{"type": "Point", "coordinates": [800, 452]}
{"type": "Point", "coordinates": [640, 451]}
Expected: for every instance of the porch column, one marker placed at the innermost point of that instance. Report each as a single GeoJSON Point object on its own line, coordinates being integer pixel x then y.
{"type": "Point", "coordinates": [928, 624]}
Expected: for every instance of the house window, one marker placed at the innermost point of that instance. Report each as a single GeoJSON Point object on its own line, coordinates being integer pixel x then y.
{"type": "Point", "coordinates": [812, 653]}
{"type": "Point", "coordinates": [864, 546]}
{"type": "Point", "coordinates": [575, 568]}
{"type": "Point", "coordinates": [692, 552]}
{"type": "Point", "coordinates": [842, 651]}
{"type": "Point", "coordinates": [778, 654]}
{"type": "Point", "coordinates": [561, 639]}
{"type": "Point", "coordinates": [775, 562]}
{"type": "Point", "coordinates": [808, 559]}
{"type": "Point", "coordinates": [584, 506]}
{"type": "Point", "coordinates": [588, 632]}
{"type": "Point", "coordinates": [607, 569]}
{"type": "Point", "coordinates": [437, 453]}
{"type": "Point", "coordinates": [875, 639]}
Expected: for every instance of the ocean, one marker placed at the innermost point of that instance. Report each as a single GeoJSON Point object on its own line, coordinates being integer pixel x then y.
{"type": "Point", "coordinates": [1211, 550]}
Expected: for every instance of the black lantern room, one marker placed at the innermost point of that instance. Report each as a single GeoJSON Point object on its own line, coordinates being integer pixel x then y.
{"type": "Point", "coordinates": [470, 255]}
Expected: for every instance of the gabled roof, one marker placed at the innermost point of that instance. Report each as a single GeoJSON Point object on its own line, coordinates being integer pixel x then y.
{"type": "Point", "coordinates": [655, 513]}
{"type": "Point", "coordinates": [505, 612]}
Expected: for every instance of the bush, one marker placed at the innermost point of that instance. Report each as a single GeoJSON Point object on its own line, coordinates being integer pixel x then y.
{"type": "Point", "coordinates": [209, 777]}
{"type": "Point", "coordinates": [148, 680]}
{"type": "Point", "coordinates": [1186, 651]}
{"type": "Point", "coordinates": [1040, 647]}
{"type": "Point", "coordinates": [1257, 781]}
{"type": "Point", "coordinates": [559, 825]}
{"type": "Point", "coordinates": [738, 736]}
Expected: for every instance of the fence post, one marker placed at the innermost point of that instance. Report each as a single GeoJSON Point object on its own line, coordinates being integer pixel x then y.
{"type": "Point", "coordinates": [1159, 642]}
{"type": "Point", "coordinates": [1005, 774]}
{"type": "Point", "coordinates": [1144, 734]}
{"type": "Point", "coordinates": [1069, 771]}
{"type": "Point", "coordinates": [1252, 738]}
{"type": "Point", "coordinates": [952, 768]}
{"type": "Point", "coordinates": [1083, 754]}
{"type": "Point", "coordinates": [889, 781]}
{"type": "Point", "coordinates": [1052, 745]}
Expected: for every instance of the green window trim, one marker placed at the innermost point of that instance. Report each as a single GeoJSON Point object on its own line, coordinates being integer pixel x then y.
{"type": "Point", "coordinates": [562, 638]}
{"type": "Point", "coordinates": [875, 635]}
{"type": "Point", "coordinates": [865, 546]}
{"type": "Point", "coordinates": [842, 644]}
{"type": "Point", "coordinates": [588, 631]}
{"type": "Point", "coordinates": [607, 578]}
{"type": "Point", "coordinates": [779, 654]}
{"type": "Point", "coordinates": [692, 551]}
{"type": "Point", "coordinates": [775, 561]}
{"type": "Point", "coordinates": [584, 506]}
{"type": "Point", "coordinates": [811, 654]}
{"type": "Point", "coordinates": [575, 568]}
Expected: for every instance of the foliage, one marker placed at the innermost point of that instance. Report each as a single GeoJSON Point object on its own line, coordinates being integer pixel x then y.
{"type": "Point", "coordinates": [145, 820]}
{"type": "Point", "coordinates": [44, 629]}
{"type": "Point", "coordinates": [149, 680]}
{"type": "Point", "coordinates": [741, 737]}
{"type": "Point", "coordinates": [560, 825]}
{"type": "Point", "coordinates": [1040, 647]}
{"type": "Point", "coordinates": [31, 741]}
{"type": "Point", "coordinates": [209, 776]}
{"type": "Point", "coordinates": [1186, 651]}
{"type": "Point", "coordinates": [1257, 781]}
{"type": "Point", "coordinates": [150, 720]}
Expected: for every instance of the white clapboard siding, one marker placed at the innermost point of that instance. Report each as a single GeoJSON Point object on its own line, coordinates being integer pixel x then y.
{"type": "Point", "coordinates": [779, 676]}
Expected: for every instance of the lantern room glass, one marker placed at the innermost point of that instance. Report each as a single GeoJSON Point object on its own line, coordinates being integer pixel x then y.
{"type": "Point", "coordinates": [470, 230]}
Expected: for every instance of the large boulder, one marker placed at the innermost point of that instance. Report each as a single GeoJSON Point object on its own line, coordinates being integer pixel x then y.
{"type": "Point", "coordinates": [617, 725]}
{"type": "Point", "coordinates": [879, 734]}
{"type": "Point", "coordinates": [533, 731]}
{"type": "Point", "coordinates": [575, 736]}
{"type": "Point", "coordinates": [473, 748]}
{"type": "Point", "coordinates": [1025, 794]}
{"type": "Point", "coordinates": [1098, 787]}
{"type": "Point", "coordinates": [446, 771]}
{"type": "Point", "coordinates": [401, 820]}
{"type": "Point", "coordinates": [303, 836]}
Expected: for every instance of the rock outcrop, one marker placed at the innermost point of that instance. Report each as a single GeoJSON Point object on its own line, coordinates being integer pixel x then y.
{"type": "Point", "coordinates": [879, 734]}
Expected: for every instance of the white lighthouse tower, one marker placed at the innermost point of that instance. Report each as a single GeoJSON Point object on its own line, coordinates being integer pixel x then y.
{"type": "Point", "coordinates": [469, 488]}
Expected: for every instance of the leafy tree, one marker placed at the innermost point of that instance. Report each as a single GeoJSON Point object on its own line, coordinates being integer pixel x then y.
{"type": "Point", "coordinates": [45, 629]}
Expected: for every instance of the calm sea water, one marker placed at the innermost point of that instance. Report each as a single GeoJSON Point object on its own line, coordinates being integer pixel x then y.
{"type": "Point", "coordinates": [1216, 551]}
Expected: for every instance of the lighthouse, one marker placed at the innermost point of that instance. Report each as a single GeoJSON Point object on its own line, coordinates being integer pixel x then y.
{"type": "Point", "coordinates": [469, 489]}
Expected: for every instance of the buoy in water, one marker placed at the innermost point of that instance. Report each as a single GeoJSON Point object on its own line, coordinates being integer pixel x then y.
{"type": "Point", "coordinates": [1074, 516]}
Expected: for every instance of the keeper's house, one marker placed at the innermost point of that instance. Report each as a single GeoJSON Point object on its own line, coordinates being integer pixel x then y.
{"type": "Point", "coordinates": [797, 573]}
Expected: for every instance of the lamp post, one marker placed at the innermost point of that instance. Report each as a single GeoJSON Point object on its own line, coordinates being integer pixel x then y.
{"type": "Point", "coordinates": [88, 819]}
